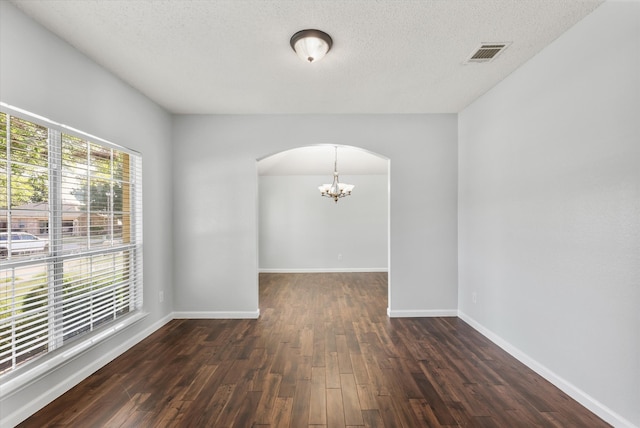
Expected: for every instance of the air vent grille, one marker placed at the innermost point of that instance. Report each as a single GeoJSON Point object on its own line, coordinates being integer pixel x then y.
{"type": "Point", "coordinates": [487, 52]}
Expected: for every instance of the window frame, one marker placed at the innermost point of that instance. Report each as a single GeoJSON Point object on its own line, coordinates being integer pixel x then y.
{"type": "Point", "coordinates": [59, 348]}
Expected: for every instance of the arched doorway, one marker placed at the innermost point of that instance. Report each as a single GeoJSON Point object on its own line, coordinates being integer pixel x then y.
{"type": "Point", "coordinates": [300, 231]}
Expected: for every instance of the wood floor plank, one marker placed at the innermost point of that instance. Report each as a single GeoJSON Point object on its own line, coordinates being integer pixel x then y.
{"type": "Point", "coordinates": [301, 401]}
{"type": "Point", "coordinates": [388, 414]}
{"type": "Point", "coordinates": [318, 398]}
{"type": "Point", "coordinates": [350, 400]}
{"type": "Point", "coordinates": [282, 409]}
{"type": "Point", "coordinates": [359, 369]}
{"type": "Point", "coordinates": [210, 413]}
{"type": "Point", "coordinates": [304, 368]}
{"type": "Point", "coordinates": [245, 416]}
{"type": "Point", "coordinates": [268, 398]}
{"type": "Point", "coordinates": [335, 409]}
{"type": "Point", "coordinates": [319, 348]}
{"type": "Point", "coordinates": [322, 354]}
{"type": "Point", "coordinates": [438, 406]}
{"type": "Point", "coordinates": [306, 342]}
{"type": "Point", "coordinates": [332, 370]}
{"type": "Point", "coordinates": [372, 419]}
{"type": "Point", "coordinates": [172, 411]}
{"type": "Point", "coordinates": [344, 358]}
{"type": "Point", "coordinates": [424, 412]}
{"type": "Point", "coordinates": [366, 397]}
{"type": "Point", "coordinates": [126, 412]}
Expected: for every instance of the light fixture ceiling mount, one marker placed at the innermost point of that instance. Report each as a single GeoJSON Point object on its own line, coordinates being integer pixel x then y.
{"type": "Point", "coordinates": [311, 45]}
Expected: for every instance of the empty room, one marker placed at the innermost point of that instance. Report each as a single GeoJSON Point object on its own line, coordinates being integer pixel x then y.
{"type": "Point", "coordinates": [271, 213]}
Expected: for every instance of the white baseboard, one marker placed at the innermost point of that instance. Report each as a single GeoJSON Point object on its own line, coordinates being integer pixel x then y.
{"type": "Point", "coordinates": [574, 392]}
{"type": "Point", "coordinates": [322, 270]}
{"type": "Point", "coordinates": [56, 391]}
{"type": "Point", "coordinates": [422, 313]}
{"type": "Point", "coordinates": [217, 315]}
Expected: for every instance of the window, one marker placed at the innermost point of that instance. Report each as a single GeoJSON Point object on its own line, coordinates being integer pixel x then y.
{"type": "Point", "coordinates": [70, 236]}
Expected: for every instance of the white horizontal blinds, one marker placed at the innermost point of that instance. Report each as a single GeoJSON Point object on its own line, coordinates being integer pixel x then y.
{"type": "Point", "coordinates": [25, 184]}
{"type": "Point", "coordinates": [96, 291]}
{"type": "Point", "coordinates": [102, 286]}
{"type": "Point", "coordinates": [121, 200]}
{"type": "Point", "coordinates": [101, 194]}
{"type": "Point", "coordinates": [75, 191]}
{"type": "Point", "coordinates": [91, 272]}
{"type": "Point", "coordinates": [29, 161]}
{"type": "Point", "coordinates": [24, 229]}
{"type": "Point", "coordinates": [99, 181]}
{"type": "Point", "coordinates": [4, 199]}
{"type": "Point", "coordinates": [132, 226]}
{"type": "Point", "coordinates": [23, 314]}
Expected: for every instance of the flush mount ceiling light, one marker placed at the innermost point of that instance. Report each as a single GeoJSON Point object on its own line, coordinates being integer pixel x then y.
{"type": "Point", "coordinates": [336, 190]}
{"type": "Point", "coordinates": [311, 45]}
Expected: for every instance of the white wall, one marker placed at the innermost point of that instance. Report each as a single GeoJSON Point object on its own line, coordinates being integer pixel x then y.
{"type": "Point", "coordinates": [549, 211]}
{"type": "Point", "coordinates": [301, 231]}
{"type": "Point", "coordinates": [42, 74]}
{"type": "Point", "coordinates": [216, 204]}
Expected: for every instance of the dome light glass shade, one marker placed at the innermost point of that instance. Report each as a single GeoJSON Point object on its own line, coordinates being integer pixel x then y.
{"type": "Point", "coordinates": [311, 45]}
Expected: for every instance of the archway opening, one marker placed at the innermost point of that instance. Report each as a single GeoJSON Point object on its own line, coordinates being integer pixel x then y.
{"type": "Point", "coordinates": [301, 232]}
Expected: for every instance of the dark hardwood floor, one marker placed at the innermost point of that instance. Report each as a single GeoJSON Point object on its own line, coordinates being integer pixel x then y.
{"type": "Point", "coordinates": [323, 353]}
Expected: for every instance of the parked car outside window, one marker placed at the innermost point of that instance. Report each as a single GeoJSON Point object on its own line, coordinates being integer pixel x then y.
{"type": "Point", "coordinates": [22, 242]}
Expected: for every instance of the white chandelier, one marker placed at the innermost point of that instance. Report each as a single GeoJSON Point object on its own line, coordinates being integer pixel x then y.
{"type": "Point", "coordinates": [336, 189]}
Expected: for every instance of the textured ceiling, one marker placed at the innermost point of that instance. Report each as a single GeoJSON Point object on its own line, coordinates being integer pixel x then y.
{"type": "Point", "coordinates": [233, 56]}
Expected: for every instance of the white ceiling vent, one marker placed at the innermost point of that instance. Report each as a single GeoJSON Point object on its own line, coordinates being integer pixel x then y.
{"type": "Point", "coordinates": [487, 52]}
